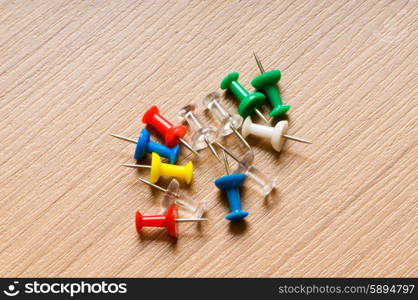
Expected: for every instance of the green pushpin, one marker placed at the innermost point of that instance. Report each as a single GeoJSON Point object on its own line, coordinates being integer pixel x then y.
{"type": "Point", "coordinates": [248, 103]}
{"type": "Point", "coordinates": [267, 83]}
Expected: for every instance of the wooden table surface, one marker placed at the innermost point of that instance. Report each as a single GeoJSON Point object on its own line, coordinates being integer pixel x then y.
{"type": "Point", "coordinates": [72, 72]}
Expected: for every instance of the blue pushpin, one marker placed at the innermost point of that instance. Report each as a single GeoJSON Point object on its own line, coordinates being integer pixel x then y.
{"type": "Point", "coordinates": [144, 145]}
{"type": "Point", "coordinates": [230, 184]}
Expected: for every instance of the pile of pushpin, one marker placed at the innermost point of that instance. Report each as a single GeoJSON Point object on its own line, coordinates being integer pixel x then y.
{"type": "Point", "coordinates": [181, 209]}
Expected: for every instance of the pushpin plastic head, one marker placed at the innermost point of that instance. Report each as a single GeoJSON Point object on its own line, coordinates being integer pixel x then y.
{"type": "Point", "coordinates": [275, 134]}
{"type": "Point", "coordinates": [159, 168]}
{"type": "Point", "coordinates": [248, 102]}
{"type": "Point", "coordinates": [171, 133]}
{"type": "Point", "coordinates": [145, 145]}
{"type": "Point", "coordinates": [186, 206]}
{"type": "Point", "coordinates": [201, 136]}
{"type": "Point", "coordinates": [264, 184]}
{"type": "Point", "coordinates": [227, 120]}
{"type": "Point", "coordinates": [267, 83]}
{"type": "Point", "coordinates": [168, 221]}
{"type": "Point", "coordinates": [230, 184]}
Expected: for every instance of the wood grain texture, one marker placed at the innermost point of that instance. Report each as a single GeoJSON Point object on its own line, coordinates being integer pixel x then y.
{"type": "Point", "coordinates": [71, 72]}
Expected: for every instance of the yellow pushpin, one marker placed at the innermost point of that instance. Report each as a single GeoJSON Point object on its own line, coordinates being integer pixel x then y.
{"type": "Point", "coordinates": [159, 168]}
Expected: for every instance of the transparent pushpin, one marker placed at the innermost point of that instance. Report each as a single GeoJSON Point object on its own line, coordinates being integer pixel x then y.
{"type": "Point", "coordinates": [245, 165]}
{"type": "Point", "coordinates": [187, 207]}
{"type": "Point", "coordinates": [202, 137]}
{"type": "Point", "coordinates": [229, 123]}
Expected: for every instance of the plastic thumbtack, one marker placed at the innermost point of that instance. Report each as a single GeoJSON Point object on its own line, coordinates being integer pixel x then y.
{"type": "Point", "coordinates": [169, 221]}
{"type": "Point", "coordinates": [267, 83]}
{"type": "Point", "coordinates": [264, 184]}
{"type": "Point", "coordinates": [144, 145]}
{"type": "Point", "coordinates": [202, 137]}
{"type": "Point", "coordinates": [229, 123]}
{"type": "Point", "coordinates": [230, 184]}
{"type": "Point", "coordinates": [186, 207]}
{"type": "Point", "coordinates": [275, 134]}
{"type": "Point", "coordinates": [173, 134]}
{"type": "Point", "coordinates": [249, 104]}
{"type": "Point", "coordinates": [159, 169]}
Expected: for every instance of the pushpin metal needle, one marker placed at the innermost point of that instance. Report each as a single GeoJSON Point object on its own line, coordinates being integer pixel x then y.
{"type": "Point", "coordinates": [262, 116]}
{"type": "Point", "coordinates": [226, 163]}
{"type": "Point", "coordinates": [260, 66]}
{"type": "Point", "coordinates": [212, 149]}
{"type": "Point", "coordinates": [188, 146]}
{"type": "Point", "coordinates": [293, 138]}
{"type": "Point", "coordinates": [191, 220]}
{"type": "Point", "coordinates": [136, 166]}
{"type": "Point", "coordinates": [123, 138]}
{"type": "Point", "coordinates": [244, 141]}
{"type": "Point", "coordinates": [158, 187]}
{"type": "Point", "coordinates": [187, 207]}
{"type": "Point", "coordinates": [228, 152]}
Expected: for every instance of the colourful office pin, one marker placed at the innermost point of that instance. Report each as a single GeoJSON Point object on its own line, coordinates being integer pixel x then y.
{"type": "Point", "coordinates": [275, 134]}
{"type": "Point", "coordinates": [264, 184]}
{"type": "Point", "coordinates": [229, 123]}
{"type": "Point", "coordinates": [202, 136]}
{"type": "Point", "coordinates": [230, 184]}
{"type": "Point", "coordinates": [144, 145]}
{"type": "Point", "coordinates": [159, 168]}
{"type": "Point", "coordinates": [169, 221]}
{"type": "Point", "coordinates": [173, 134]}
{"type": "Point", "coordinates": [267, 83]}
{"type": "Point", "coordinates": [187, 207]}
{"type": "Point", "coordinates": [249, 103]}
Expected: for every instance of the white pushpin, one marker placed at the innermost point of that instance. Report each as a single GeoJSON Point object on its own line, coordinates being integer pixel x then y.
{"type": "Point", "coordinates": [264, 184]}
{"type": "Point", "coordinates": [275, 134]}
{"type": "Point", "coordinates": [202, 137]}
{"type": "Point", "coordinates": [186, 207]}
{"type": "Point", "coordinates": [229, 123]}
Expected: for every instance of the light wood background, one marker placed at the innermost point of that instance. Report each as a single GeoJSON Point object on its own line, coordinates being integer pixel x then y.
{"type": "Point", "coordinates": [71, 72]}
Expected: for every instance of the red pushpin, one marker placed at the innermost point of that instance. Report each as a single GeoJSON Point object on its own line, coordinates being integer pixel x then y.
{"type": "Point", "coordinates": [173, 134]}
{"type": "Point", "coordinates": [168, 221]}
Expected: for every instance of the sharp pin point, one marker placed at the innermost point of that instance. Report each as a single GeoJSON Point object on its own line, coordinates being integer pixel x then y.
{"type": "Point", "coordinates": [123, 138]}
{"type": "Point", "coordinates": [262, 116]}
{"type": "Point", "coordinates": [226, 163]}
{"type": "Point", "coordinates": [260, 66]}
{"type": "Point", "coordinates": [293, 138]}
{"type": "Point", "coordinates": [191, 220]}
{"type": "Point", "coordinates": [244, 141]}
{"type": "Point", "coordinates": [136, 166]}
{"type": "Point", "coordinates": [212, 150]}
{"type": "Point", "coordinates": [188, 146]}
{"type": "Point", "coordinates": [229, 152]}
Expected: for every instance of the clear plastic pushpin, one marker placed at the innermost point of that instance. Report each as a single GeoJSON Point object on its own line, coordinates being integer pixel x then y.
{"type": "Point", "coordinates": [245, 165]}
{"type": "Point", "coordinates": [202, 137]}
{"type": "Point", "coordinates": [186, 206]}
{"type": "Point", "coordinates": [229, 123]}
